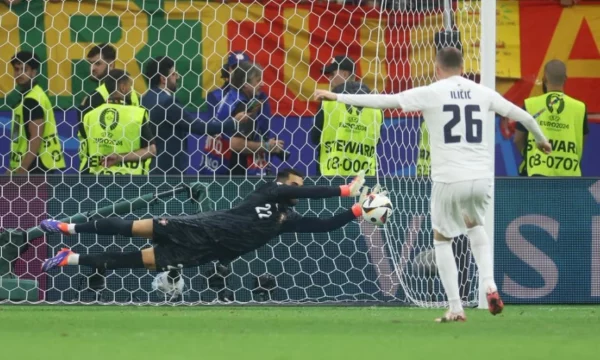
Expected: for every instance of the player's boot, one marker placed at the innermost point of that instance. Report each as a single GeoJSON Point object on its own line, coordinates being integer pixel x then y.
{"type": "Point", "coordinates": [452, 317]}
{"type": "Point", "coordinates": [55, 226]}
{"type": "Point", "coordinates": [495, 303]}
{"type": "Point", "coordinates": [61, 259]}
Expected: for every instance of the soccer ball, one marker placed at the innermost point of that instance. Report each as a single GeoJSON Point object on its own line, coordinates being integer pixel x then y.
{"type": "Point", "coordinates": [164, 284]}
{"type": "Point", "coordinates": [377, 209]}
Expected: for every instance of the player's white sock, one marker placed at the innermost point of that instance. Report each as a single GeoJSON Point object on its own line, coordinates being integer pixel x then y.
{"type": "Point", "coordinates": [73, 259]}
{"type": "Point", "coordinates": [444, 260]}
{"type": "Point", "coordinates": [71, 228]}
{"type": "Point", "coordinates": [480, 246]}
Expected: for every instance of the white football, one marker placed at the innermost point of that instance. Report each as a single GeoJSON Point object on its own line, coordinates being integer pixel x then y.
{"type": "Point", "coordinates": [377, 209]}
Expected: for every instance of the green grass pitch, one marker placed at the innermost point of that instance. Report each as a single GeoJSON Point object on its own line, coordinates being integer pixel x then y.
{"type": "Point", "coordinates": [244, 333]}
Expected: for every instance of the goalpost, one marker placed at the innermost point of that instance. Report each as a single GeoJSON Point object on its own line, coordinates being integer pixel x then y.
{"type": "Point", "coordinates": [393, 43]}
{"type": "Point", "coordinates": [488, 78]}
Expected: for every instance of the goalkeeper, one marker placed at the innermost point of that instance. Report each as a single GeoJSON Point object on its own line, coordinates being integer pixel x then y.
{"type": "Point", "coordinates": [187, 241]}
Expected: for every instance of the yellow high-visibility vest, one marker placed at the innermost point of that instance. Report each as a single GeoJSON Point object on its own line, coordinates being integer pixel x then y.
{"type": "Point", "coordinates": [113, 128]}
{"type": "Point", "coordinates": [50, 152]}
{"type": "Point", "coordinates": [562, 124]}
{"type": "Point", "coordinates": [349, 139]}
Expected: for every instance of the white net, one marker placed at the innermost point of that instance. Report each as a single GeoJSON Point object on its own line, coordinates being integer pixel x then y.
{"type": "Point", "coordinates": [392, 44]}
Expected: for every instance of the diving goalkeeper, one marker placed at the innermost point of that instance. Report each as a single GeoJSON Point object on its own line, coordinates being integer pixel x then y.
{"type": "Point", "coordinates": [187, 241]}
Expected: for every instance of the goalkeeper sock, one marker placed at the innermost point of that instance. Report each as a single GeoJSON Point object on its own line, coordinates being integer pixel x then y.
{"type": "Point", "coordinates": [111, 261]}
{"type": "Point", "coordinates": [444, 260]}
{"type": "Point", "coordinates": [108, 226]}
{"type": "Point", "coordinates": [480, 246]}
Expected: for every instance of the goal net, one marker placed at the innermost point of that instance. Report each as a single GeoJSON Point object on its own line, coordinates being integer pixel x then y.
{"type": "Point", "coordinates": [393, 45]}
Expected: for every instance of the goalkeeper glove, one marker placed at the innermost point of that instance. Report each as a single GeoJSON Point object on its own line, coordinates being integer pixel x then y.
{"type": "Point", "coordinates": [357, 208]}
{"type": "Point", "coordinates": [377, 191]}
{"type": "Point", "coordinates": [353, 189]}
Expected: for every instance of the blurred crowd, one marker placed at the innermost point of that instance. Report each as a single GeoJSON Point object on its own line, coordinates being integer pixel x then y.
{"type": "Point", "coordinates": [121, 132]}
{"type": "Point", "coordinates": [386, 4]}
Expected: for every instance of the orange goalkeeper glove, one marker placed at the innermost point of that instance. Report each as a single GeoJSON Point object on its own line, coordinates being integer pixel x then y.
{"type": "Point", "coordinates": [353, 189]}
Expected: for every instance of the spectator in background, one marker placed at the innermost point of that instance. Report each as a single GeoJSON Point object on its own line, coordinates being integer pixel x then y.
{"type": "Point", "coordinates": [563, 121]}
{"type": "Point", "coordinates": [35, 146]}
{"type": "Point", "coordinates": [172, 121]}
{"type": "Point", "coordinates": [102, 60]}
{"type": "Point", "coordinates": [116, 138]}
{"type": "Point", "coordinates": [246, 152]}
{"type": "Point", "coordinates": [356, 129]}
{"type": "Point", "coordinates": [340, 70]}
{"type": "Point", "coordinates": [214, 97]}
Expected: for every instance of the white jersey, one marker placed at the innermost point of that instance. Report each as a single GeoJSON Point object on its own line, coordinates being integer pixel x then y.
{"type": "Point", "coordinates": [456, 113]}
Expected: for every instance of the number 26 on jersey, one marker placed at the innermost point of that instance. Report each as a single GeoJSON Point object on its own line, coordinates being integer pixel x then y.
{"type": "Point", "coordinates": [473, 131]}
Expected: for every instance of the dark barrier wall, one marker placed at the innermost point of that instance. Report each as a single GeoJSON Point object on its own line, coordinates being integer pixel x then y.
{"type": "Point", "coordinates": [315, 267]}
{"type": "Point", "coordinates": [547, 241]}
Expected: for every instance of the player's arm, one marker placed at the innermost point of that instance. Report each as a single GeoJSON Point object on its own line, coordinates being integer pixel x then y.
{"type": "Point", "coordinates": [317, 129]}
{"type": "Point", "coordinates": [286, 192]}
{"type": "Point", "coordinates": [300, 224]}
{"type": "Point", "coordinates": [240, 144]}
{"type": "Point", "coordinates": [147, 147]}
{"type": "Point", "coordinates": [521, 134]}
{"type": "Point", "coordinates": [520, 140]}
{"type": "Point", "coordinates": [33, 118]}
{"type": "Point", "coordinates": [376, 101]}
{"type": "Point", "coordinates": [147, 143]}
{"type": "Point", "coordinates": [192, 124]}
{"type": "Point", "coordinates": [410, 100]}
{"type": "Point", "coordinates": [83, 149]}
{"type": "Point", "coordinates": [505, 108]}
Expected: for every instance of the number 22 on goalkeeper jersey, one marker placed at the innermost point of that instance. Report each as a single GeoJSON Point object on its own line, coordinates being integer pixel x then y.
{"type": "Point", "coordinates": [456, 110]}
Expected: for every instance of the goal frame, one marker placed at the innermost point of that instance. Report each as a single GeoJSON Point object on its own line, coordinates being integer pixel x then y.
{"type": "Point", "coordinates": [488, 78]}
{"type": "Point", "coordinates": [486, 29]}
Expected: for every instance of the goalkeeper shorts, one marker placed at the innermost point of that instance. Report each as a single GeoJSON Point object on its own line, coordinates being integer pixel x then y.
{"type": "Point", "coordinates": [179, 243]}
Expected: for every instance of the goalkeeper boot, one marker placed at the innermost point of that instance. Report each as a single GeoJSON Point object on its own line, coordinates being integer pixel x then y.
{"type": "Point", "coordinates": [61, 259]}
{"type": "Point", "coordinates": [495, 303]}
{"type": "Point", "coordinates": [452, 317]}
{"type": "Point", "coordinates": [55, 226]}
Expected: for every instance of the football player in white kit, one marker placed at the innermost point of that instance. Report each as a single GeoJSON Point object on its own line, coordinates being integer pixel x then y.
{"type": "Point", "coordinates": [455, 110]}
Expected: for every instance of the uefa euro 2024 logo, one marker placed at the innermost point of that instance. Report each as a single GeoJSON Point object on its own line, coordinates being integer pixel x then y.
{"type": "Point", "coordinates": [109, 119]}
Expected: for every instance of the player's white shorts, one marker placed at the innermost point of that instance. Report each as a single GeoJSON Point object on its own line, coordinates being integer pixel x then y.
{"type": "Point", "coordinates": [452, 203]}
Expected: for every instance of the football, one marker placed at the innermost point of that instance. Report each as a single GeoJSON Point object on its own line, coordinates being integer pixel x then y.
{"type": "Point", "coordinates": [377, 209]}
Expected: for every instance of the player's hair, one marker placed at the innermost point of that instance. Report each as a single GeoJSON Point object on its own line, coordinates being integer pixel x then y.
{"type": "Point", "coordinates": [106, 51]}
{"type": "Point", "coordinates": [160, 66]}
{"type": "Point", "coordinates": [114, 78]}
{"type": "Point", "coordinates": [285, 173]}
{"type": "Point", "coordinates": [26, 58]}
{"type": "Point", "coordinates": [449, 58]}
{"type": "Point", "coordinates": [555, 72]}
{"type": "Point", "coordinates": [242, 74]}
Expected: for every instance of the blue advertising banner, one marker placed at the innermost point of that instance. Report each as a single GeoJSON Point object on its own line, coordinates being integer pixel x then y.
{"type": "Point", "coordinates": [547, 240]}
